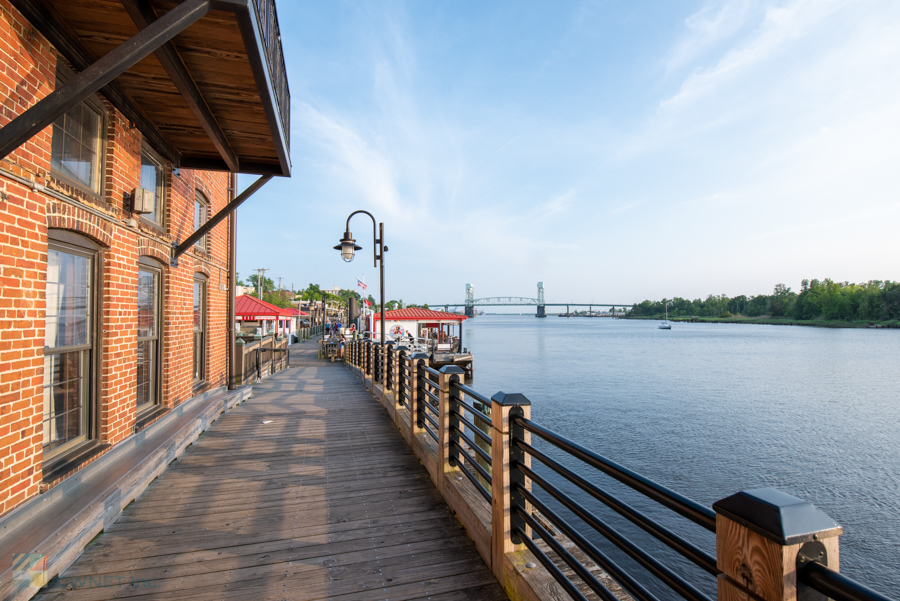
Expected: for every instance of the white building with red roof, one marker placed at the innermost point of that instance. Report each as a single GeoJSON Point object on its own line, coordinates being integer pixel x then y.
{"type": "Point", "coordinates": [249, 310]}
{"type": "Point", "coordinates": [443, 328]}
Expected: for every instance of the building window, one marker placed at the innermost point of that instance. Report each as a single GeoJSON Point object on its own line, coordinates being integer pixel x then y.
{"type": "Point", "coordinates": [201, 214]}
{"type": "Point", "coordinates": [199, 329]}
{"type": "Point", "coordinates": [77, 146]}
{"type": "Point", "coordinates": [149, 294]}
{"type": "Point", "coordinates": [68, 342]}
{"type": "Point", "coordinates": [153, 179]}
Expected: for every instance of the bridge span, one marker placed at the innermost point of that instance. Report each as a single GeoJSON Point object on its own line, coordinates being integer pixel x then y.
{"type": "Point", "coordinates": [517, 301]}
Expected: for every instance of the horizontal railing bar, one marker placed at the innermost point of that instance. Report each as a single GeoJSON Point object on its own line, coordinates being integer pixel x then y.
{"type": "Point", "coordinates": [431, 396]}
{"type": "Point", "coordinates": [474, 428]}
{"type": "Point", "coordinates": [836, 585]}
{"type": "Point", "coordinates": [432, 434]}
{"type": "Point", "coordinates": [406, 387]}
{"type": "Point", "coordinates": [481, 489]}
{"type": "Point", "coordinates": [429, 383]}
{"type": "Point", "coordinates": [473, 410]}
{"type": "Point", "coordinates": [472, 461]}
{"type": "Point", "coordinates": [473, 393]}
{"type": "Point", "coordinates": [481, 452]}
{"type": "Point", "coordinates": [583, 573]}
{"type": "Point", "coordinates": [623, 578]}
{"type": "Point", "coordinates": [674, 581]}
{"type": "Point", "coordinates": [551, 567]}
{"type": "Point", "coordinates": [431, 420]}
{"type": "Point", "coordinates": [680, 504]}
{"type": "Point", "coordinates": [688, 550]}
{"type": "Point", "coordinates": [431, 371]}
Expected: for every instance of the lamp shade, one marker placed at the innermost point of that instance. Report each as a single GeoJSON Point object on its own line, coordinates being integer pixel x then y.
{"type": "Point", "coordinates": [347, 247]}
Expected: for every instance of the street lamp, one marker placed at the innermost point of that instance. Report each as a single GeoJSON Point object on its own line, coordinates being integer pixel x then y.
{"type": "Point", "coordinates": [348, 248]}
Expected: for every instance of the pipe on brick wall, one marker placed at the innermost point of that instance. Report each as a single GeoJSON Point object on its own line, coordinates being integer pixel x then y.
{"type": "Point", "coordinates": [232, 276]}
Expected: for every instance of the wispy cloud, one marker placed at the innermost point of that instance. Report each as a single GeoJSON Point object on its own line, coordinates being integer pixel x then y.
{"type": "Point", "coordinates": [351, 159]}
{"type": "Point", "coordinates": [780, 26]}
{"type": "Point", "coordinates": [712, 24]}
{"type": "Point", "coordinates": [625, 207]}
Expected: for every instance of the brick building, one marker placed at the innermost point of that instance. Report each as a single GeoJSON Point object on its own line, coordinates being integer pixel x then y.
{"type": "Point", "coordinates": [110, 316]}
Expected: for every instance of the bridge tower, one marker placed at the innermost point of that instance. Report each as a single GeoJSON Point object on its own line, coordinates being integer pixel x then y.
{"type": "Point", "coordinates": [541, 310]}
{"type": "Point", "coordinates": [470, 300]}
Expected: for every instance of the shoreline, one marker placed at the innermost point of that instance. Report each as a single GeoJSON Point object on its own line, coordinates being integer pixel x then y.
{"type": "Point", "coordinates": [769, 321]}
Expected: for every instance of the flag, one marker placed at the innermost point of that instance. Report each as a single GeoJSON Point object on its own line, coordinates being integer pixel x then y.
{"type": "Point", "coordinates": [368, 304]}
{"type": "Point", "coordinates": [361, 284]}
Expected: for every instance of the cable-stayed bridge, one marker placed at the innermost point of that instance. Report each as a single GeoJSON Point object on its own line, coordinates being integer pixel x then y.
{"type": "Point", "coordinates": [516, 301]}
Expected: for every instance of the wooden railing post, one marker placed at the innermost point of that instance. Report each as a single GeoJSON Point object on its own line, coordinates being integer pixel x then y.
{"type": "Point", "coordinates": [762, 536]}
{"type": "Point", "coordinates": [415, 360]}
{"type": "Point", "coordinates": [449, 373]}
{"type": "Point", "coordinates": [504, 406]}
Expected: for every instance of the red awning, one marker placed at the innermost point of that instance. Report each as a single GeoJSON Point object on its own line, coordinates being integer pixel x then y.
{"type": "Point", "coordinates": [250, 307]}
{"type": "Point", "coordinates": [417, 314]}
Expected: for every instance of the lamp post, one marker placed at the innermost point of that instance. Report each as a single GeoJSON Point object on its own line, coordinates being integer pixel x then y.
{"type": "Point", "coordinates": [348, 249]}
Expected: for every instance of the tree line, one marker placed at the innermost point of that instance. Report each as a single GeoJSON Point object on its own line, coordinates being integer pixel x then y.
{"type": "Point", "coordinates": [875, 300]}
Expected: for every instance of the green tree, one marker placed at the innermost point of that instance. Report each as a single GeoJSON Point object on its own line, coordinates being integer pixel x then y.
{"type": "Point", "coordinates": [267, 284]}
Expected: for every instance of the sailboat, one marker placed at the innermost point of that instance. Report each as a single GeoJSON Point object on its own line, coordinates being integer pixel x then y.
{"type": "Point", "coordinates": [665, 325]}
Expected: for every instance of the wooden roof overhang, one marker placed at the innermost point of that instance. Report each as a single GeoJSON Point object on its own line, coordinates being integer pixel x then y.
{"type": "Point", "coordinates": [214, 97]}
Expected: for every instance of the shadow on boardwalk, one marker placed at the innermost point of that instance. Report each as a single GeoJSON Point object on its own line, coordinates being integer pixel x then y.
{"type": "Point", "coordinates": [306, 491]}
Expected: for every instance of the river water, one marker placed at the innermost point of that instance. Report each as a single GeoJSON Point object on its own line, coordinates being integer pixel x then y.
{"type": "Point", "coordinates": [712, 409]}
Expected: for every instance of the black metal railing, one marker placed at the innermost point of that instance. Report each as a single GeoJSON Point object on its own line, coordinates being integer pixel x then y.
{"type": "Point", "coordinates": [700, 515]}
{"type": "Point", "coordinates": [470, 436]}
{"type": "Point", "coordinates": [404, 376]}
{"type": "Point", "coordinates": [267, 15]}
{"type": "Point", "coordinates": [835, 585]}
{"type": "Point", "coordinates": [429, 401]}
{"type": "Point", "coordinates": [389, 360]}
{"type": "Point", "coordinates": [540, 507]}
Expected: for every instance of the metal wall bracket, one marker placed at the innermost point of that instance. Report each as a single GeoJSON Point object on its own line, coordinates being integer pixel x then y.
{"type": "Point", "coordinates": [812, 551]}
{"type": "Point", "coordinates": [231, 206]}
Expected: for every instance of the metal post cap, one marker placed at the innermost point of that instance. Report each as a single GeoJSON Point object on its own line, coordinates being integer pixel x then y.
{"type": "Point", "coordinates": [419, 356]}
{"type": "Point", "coordinates": [510, 399]}
{"type": "Point", "coordinates": [451, 369]}
{"type": "Point", "coordinates": [778, 516]}
{"type": "Point", "coordinates": [401, 347]}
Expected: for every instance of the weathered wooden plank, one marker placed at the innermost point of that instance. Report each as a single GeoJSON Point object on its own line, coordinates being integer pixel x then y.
{"type": "Point", "coordinates": [327, 501]}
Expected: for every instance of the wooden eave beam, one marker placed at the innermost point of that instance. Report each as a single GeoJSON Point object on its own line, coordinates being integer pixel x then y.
{"type": "Point", "coordinates": [91, 80]}
{"type": "Point", "coordinates": [65, 43]}
{"type": "Point", "coordinates": [143, 15]}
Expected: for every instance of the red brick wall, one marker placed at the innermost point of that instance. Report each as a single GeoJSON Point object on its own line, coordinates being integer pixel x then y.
{"type": "Point", "coordinates": [27, 73]}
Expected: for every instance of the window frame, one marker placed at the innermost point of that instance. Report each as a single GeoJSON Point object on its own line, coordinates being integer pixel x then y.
{"type": "Point", "coordinates": [149, 264]}
{"type": "Point", "coordinates": [199, 376]}
{"type": "Point", "coordinates": [162, 188]}
{"type": "Point", "coordinates": [201, 199]}
{"type": "Point", "coordinates": [74, 243]}
{"type": "Point", "coordinates": [63, 74]}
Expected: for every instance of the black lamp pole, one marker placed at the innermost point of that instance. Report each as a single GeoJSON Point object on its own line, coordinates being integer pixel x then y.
{"type": "Point", "coordinates": [348, 249]}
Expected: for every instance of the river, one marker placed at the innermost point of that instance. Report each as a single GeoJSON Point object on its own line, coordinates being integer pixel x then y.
{"type": "Point", "coordinates": [712, 409]}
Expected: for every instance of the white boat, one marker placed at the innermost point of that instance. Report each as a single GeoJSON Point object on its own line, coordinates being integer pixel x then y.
{"type": "Point", "coordinates": [665, 325]}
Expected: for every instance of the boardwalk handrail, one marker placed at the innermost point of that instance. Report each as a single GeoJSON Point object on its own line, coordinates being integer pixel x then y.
{"type": "Point", "coordinates": [485, 443]}
{"type": "Point", "coordinates": [836, 585]}
{"type": "Point", "coordinates": [700, 515]}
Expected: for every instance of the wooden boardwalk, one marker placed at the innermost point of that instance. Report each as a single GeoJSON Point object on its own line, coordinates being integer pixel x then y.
{"type": "Point", "coordinates": [306, 491]}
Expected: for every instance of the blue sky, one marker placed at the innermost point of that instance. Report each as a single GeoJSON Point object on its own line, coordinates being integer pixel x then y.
{"type": "Point", "coordinates": [616, 151]}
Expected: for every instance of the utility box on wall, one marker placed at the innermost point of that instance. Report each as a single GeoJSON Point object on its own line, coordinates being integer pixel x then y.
{"type": "Point", "coordinates": [142, 200]}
